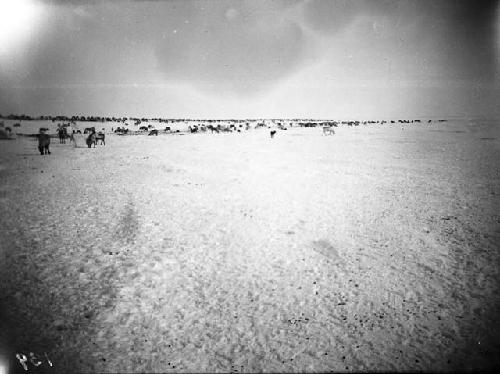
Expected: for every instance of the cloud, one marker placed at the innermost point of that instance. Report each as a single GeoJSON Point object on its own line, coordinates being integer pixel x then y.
{"type": "Point", "coordinates": [450, 39]}
{"type": "Point", "coordinates": [71, 3]}
{"type": "Point", "coordinates": [235, 47]}
{"type": "Point", "coordinates": [231, 13]}
{"type": "Point", "coordinates": [329, 16]}
{"type": "Point", "coordinates": [266, 57]}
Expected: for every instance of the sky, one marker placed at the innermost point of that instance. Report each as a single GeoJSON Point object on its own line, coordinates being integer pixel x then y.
{"type": "Point", "coordinates": [324, 59]}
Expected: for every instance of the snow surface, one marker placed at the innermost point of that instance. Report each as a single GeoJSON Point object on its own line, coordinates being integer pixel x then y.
{"type": "Point", "coordinates": [373, 249]}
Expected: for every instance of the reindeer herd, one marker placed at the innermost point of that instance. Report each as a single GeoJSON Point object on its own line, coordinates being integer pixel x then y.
{"type": "Point", "coordinates": [92, 138]}
{"type": "Point", "coordinates": [238, 126]}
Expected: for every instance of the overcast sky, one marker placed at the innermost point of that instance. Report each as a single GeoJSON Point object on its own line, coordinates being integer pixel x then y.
{"type": "Point", "coordinates": [244, 59]}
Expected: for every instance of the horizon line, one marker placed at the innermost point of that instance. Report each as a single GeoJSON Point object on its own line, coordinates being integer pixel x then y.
{"type": "Point", "coordinates": [340, 118]}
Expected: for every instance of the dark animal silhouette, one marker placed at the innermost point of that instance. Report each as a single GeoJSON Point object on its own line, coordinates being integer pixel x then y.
{"type": "Point", "coordinates": [121, 130]}
{"type": "Point", "coordinates": [153, 132]}
{"type": "Point", "coordinates": [212, 128]}
{"type": "Point", "coordinates": [273, 132]}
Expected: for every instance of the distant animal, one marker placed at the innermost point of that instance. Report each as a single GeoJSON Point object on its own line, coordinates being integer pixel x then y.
{"type": "Point", "coordinates": [272, 133]}
{"type": "Point", "coordinates": [121, 131]}
{"type": "Point", "coordinates": [328, 131]}
{"type": "Point", "coordinates": [43, 143]}
{"type": "Point", "coordinates": [100, 136]}
{"type": "Point", "coordinates": [167, 129]}
{"type": "Point", "coordinates": [153, 132]}
{"type": "Point", "coordinates": [212, 128]}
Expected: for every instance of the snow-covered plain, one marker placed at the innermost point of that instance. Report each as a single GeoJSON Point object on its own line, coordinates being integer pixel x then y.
{"type": "Point", "coordinates": [373, 249]}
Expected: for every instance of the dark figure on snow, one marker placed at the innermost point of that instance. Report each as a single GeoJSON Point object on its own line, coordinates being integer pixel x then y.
{"type": "Point", "coordinates": [92, 139]}
{"type": "Point", "coordinates": [101, 137]}
{"type": "Point", "coordinates": [62, 135]}
{"type": "Point", "coordinates": [43, 142]}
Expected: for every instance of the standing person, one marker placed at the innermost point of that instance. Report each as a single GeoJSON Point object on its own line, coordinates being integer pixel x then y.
{"type": "Point", "coordinates": [65, 134]}
{"type": "Point", "coordinates": [91, 139]}
{"type": "Point", "coordinates": [60, 133]}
